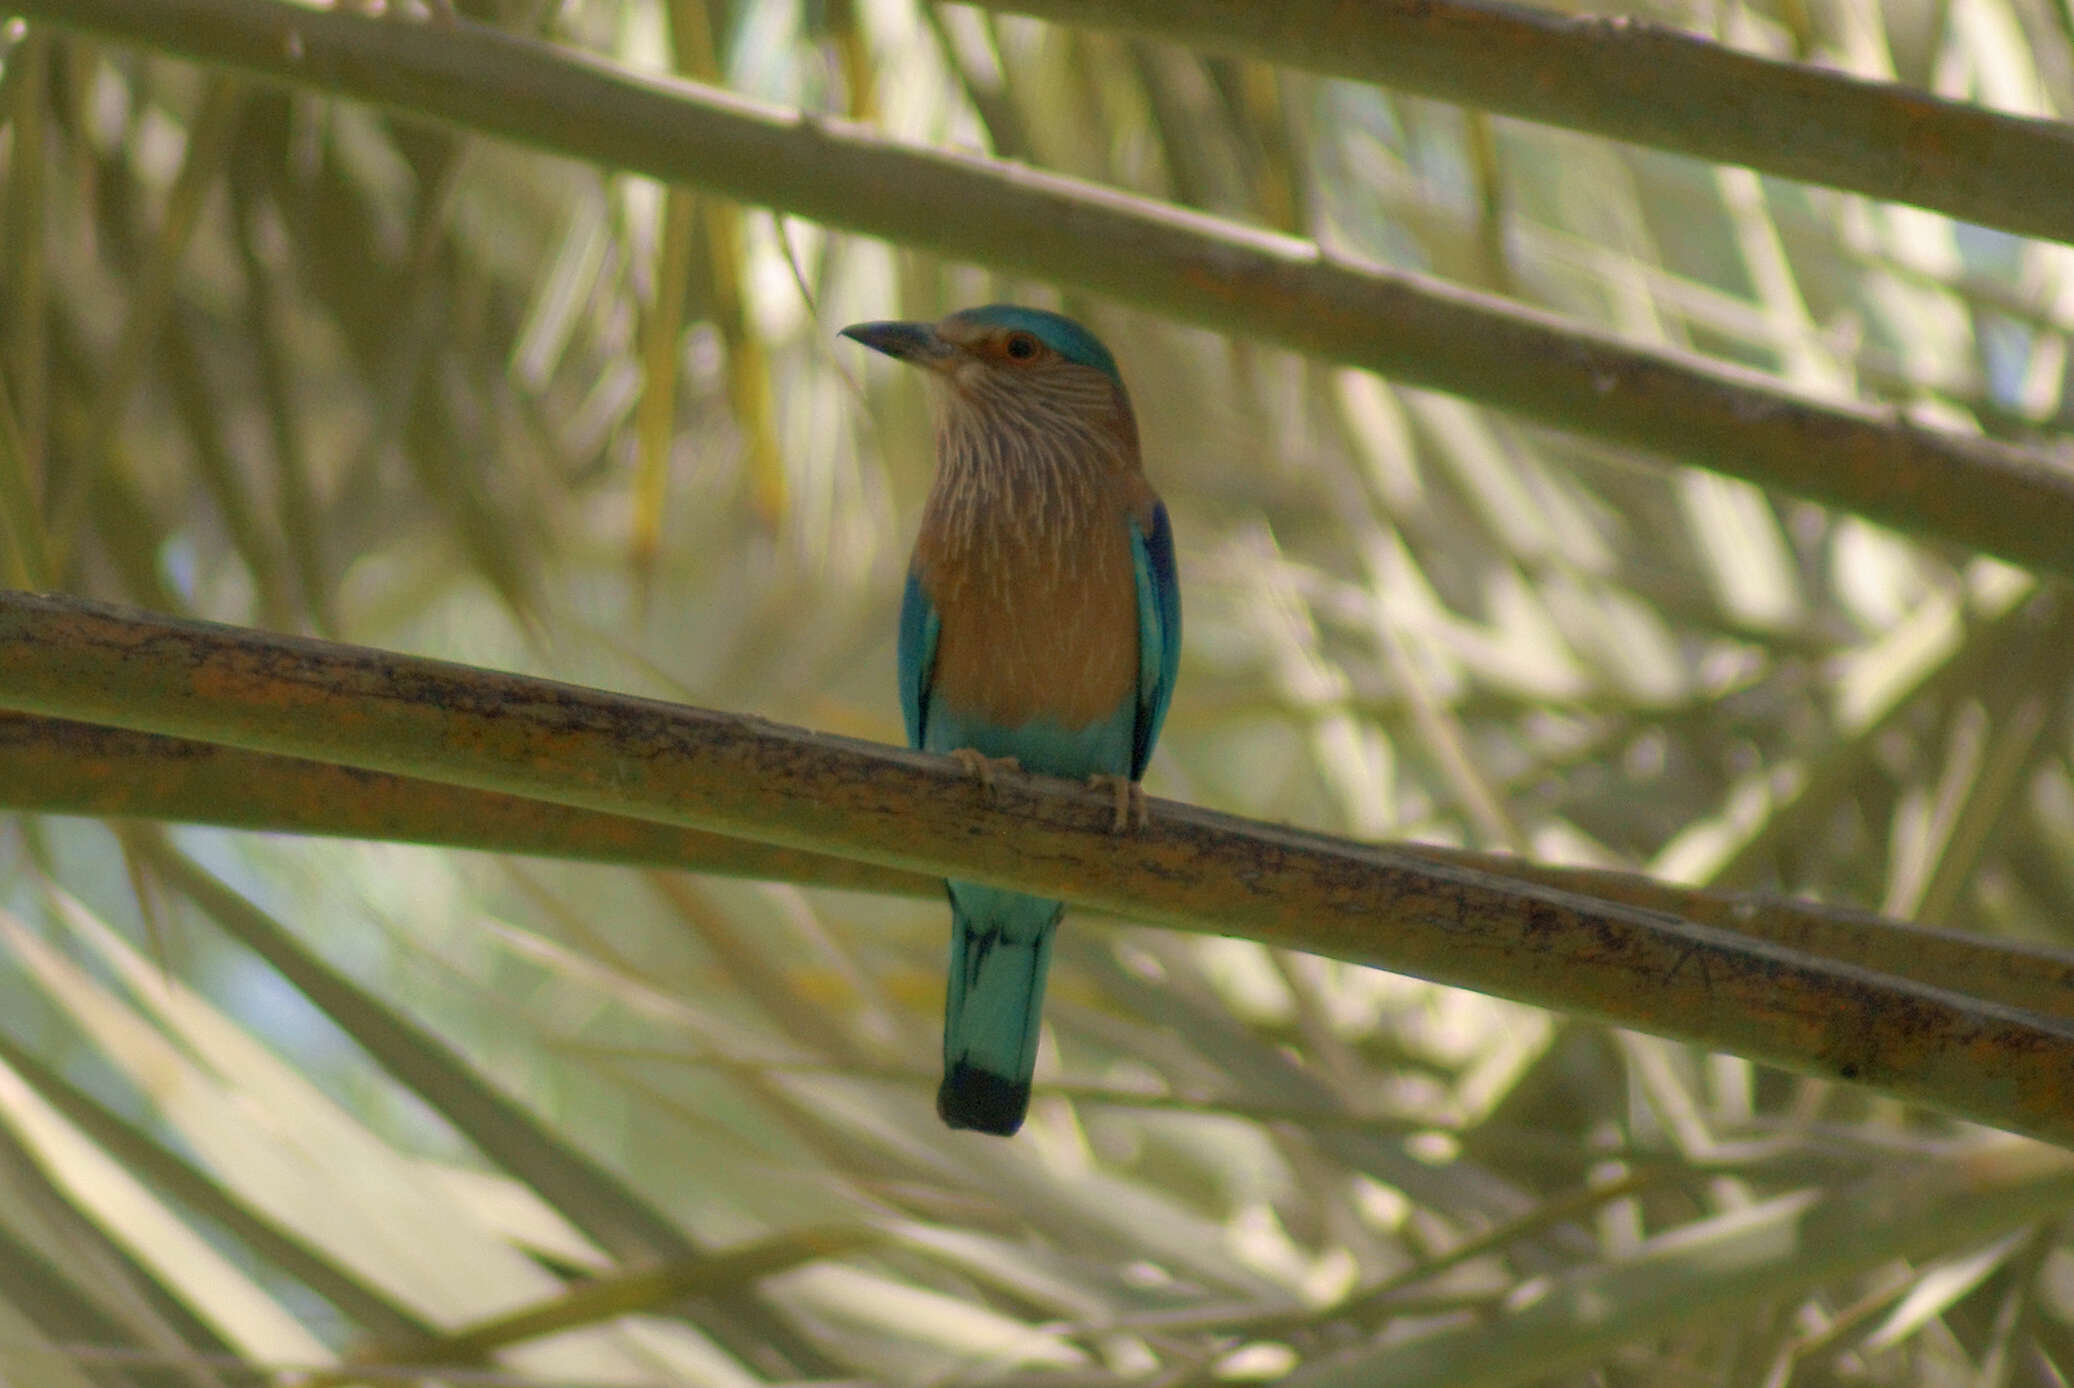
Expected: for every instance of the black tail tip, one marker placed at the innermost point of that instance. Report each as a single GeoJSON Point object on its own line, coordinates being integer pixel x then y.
{"type": "Point", "coordinates": [982, 1101]}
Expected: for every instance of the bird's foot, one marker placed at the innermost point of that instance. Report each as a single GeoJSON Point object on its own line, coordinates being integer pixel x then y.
{"type": "Point", "coordinates": [1133, 809]}
{"type": "Point", "coordinates": [984, 767]}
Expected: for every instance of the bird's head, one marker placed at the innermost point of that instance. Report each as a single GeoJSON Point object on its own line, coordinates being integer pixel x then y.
{"type": "Point", "coordinates": [1015, 373]}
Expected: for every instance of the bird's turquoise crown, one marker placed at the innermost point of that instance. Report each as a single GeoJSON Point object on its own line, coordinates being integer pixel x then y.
{"type": "Point", "coordinates": [1054, 330]}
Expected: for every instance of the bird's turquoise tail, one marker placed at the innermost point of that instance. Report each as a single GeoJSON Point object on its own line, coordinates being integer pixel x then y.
{"type": "Point", "coordinates": [1000, 952]}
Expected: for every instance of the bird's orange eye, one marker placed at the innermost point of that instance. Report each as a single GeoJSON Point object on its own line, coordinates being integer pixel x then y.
{"type": "Point", "coordinates": [1022, 346]}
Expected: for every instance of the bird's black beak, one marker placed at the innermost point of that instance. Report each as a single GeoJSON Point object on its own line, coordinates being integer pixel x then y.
{"type": "Point", "coordinates": [917, 343]}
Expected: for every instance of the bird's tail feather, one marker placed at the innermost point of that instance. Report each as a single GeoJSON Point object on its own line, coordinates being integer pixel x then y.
{"type": "Point", "coordinates": [1000, 953]}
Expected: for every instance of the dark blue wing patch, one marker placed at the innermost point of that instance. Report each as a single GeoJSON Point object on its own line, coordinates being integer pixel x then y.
{"type": "Point", "coordinates": [1159, 632]}
{"type": "Point", "coordinates": [919, 626]}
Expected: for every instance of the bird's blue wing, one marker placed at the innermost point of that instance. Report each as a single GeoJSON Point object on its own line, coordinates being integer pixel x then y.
{"type": "Point", "coordinates": [1159, 631]}
{"type": "Point", "coordinates": [919, 626]}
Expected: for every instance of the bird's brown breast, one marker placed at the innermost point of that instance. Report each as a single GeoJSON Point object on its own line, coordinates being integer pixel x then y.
{"type": "Point", "coordinates": [1039, 620]}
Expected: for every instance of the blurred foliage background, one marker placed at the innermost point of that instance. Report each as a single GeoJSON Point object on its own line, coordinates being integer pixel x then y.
{"type": "Point", "coordinates": [278, 360]}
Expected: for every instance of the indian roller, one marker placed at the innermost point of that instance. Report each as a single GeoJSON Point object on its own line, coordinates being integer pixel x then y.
{"type": "Point", "coordinates": [1040, 630]}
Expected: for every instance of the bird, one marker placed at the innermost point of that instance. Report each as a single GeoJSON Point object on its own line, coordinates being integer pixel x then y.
{"type": "Point", "coordinates": [1040, 631]}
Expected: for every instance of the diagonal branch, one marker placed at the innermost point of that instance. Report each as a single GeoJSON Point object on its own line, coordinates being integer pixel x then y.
{"type": "Point", "coordinates": [1633, 79]}
{"type": "Point", "coordinates": [53, 766]}
{"type": "Point", "coordinates": [1192, 869]}
{"type": "Point", "coordinates": [1955, 487]}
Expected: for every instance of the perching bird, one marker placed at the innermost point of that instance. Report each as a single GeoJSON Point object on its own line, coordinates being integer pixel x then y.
{"type": "Point", "coordinates": [1041, 626]}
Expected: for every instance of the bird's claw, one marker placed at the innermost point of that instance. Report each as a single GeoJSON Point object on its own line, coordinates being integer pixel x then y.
{"type": "Point", "coordinates": [1133, 809]}
{"type": "Point", "coordinates": [984, 767]}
